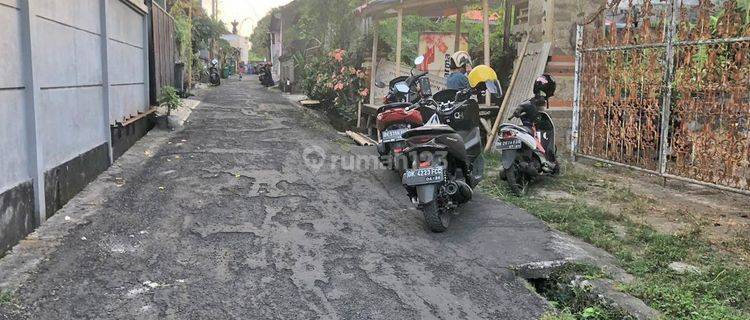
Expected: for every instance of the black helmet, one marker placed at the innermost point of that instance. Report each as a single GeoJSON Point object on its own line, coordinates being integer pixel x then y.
{"type": "Point", "coordinates": [545, 84]}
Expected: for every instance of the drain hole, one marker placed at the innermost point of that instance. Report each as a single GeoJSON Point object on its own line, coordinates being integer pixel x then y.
{"type": "Point", "coordinates": [563, 284]}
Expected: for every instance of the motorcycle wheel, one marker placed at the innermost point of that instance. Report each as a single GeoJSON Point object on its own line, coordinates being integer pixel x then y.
{"type": "Point", "coordinates": [437, 220]}
{"type": "Point", "coordinates": [516, 180]}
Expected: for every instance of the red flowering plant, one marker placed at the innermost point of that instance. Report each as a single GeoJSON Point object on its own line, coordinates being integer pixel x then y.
{"type": "Point", "coordinates": [333, 80]}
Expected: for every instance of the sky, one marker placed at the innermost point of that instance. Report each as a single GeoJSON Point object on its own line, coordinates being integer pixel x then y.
{"type": "Point", "coordinates": [247, 12]}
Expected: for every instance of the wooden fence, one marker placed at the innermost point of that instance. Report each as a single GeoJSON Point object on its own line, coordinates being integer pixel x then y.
{"type": "Point", "coordinates": [163, 53]}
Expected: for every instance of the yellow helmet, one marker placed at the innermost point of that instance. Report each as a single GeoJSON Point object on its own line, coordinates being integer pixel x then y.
{"type": "Point", "coordinates": [481, 73]}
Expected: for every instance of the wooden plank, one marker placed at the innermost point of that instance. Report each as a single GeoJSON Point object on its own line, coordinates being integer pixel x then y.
{"type": "Point", "coordinates": [495, 126]}
{"type": "Point", "coordinates": [368, 139]}
{"type": "Point", "coordinates": [309, 102]}
{"type": "Point", "coordinates": [140, 115]}
{"type": "Point", "coordinates": [359, 139]}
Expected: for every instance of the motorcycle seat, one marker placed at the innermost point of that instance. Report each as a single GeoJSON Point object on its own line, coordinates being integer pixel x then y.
{"type": "Point", "coordinates": [428, 130]}
{"type": "Point", "coordinates": [394, 105]}
{"type": "Point", "coordinates": [471, 139]}
{"type": "Point", "coordinates": [517, 127]}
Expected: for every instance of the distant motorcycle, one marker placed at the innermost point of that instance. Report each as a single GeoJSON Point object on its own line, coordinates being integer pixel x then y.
{"type": "Point", "coordinates": [529, 150]}
{"type": "Point", "coordinates": [265, 77]}
{"type": "Point", "coordinates": [214, 77]}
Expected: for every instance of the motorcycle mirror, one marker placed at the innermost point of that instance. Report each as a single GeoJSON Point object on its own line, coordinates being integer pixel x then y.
{"type": "Point", "coordinates": [419, 60]}
{"type": "Point", "coordinates": [379, 84]}
{"type": "Point", "coordinates": [402, 87]}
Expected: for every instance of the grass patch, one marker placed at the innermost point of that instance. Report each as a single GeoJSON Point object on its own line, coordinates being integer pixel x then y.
{"type": "Point", "coordinates": [720, 291]}
{"type": "Point", "coordinates": [5, 297]}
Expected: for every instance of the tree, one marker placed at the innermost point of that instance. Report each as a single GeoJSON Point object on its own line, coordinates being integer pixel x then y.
{"type": "Point", "coordinates": [206, 29]}
{"type": "Point", "coordinates": [259, 38]}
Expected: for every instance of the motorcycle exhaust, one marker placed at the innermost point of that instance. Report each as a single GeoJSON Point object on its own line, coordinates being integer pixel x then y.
{"type": "Point", "coordinates": [459, 191]}
{"type": "Point", "coordinates": [451, 188]}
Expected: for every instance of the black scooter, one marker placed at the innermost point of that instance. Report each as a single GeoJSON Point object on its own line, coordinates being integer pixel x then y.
{"type": "Point", "coordinates": [264, 75]}
{"type": "Point", "coordinates": [214, 77]}
{"type": "Point", "coordinates": [445, 155]}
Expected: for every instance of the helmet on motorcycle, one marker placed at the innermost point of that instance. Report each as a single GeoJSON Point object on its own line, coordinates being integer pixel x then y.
{"type": "Point", "coordinates": [214, 62]}
{"type": "Point", "coordinates": [546, 84]}
{"type": "Point", "coordinates": [460, 59]}
{"type": "Point", "coordinates": [481, 74]}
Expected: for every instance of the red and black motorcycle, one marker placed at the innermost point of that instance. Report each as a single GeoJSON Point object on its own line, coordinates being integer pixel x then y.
{"type": "Point", "coordinates": [394, 118]}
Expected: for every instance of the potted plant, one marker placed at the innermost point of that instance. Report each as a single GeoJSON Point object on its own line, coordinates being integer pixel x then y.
{"type": "Point", "coordinates": [170, 99]}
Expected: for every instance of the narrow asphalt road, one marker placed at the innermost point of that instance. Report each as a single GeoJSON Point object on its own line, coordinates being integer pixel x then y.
{"type": "Point", "coordinates": [226, 221]}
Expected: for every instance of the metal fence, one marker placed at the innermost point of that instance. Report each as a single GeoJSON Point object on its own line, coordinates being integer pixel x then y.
{"type": "Point", "coordinates": [666, 88]}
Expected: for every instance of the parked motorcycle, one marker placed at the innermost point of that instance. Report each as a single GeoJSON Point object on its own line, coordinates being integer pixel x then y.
{"type": "Point", "coordinates": [529, 150]}
{"type": "Point", "coordinates": [266, 79]}
{"type": "Point", "coordinates": [445, 154]}
{"type": "Point", "coordinates": [214, 77]}
{"type": "Point", "coordinates": [393, 119]}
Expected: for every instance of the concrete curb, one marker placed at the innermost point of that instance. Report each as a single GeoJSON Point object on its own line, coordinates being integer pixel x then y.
{"type": "Point", "coordinates": [179, 116]}
{"type": "Point", "coordinates": [605, 291]}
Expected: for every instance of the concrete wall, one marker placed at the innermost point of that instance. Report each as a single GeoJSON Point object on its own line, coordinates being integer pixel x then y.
{"type": "Point", "coordinates": [13, 134]}
{"type": "Point", "coordinates": [59, 99]}
{"type": "Point", "coordinates": [16, 205]}
{"type": "Point", "coordinates": [127, 71]}
{"type": "Point", "coordinates": [66, 47]}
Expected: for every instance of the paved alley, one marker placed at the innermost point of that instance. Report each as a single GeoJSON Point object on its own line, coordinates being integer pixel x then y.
{"type": "Point", "coordinates": [225, 220]}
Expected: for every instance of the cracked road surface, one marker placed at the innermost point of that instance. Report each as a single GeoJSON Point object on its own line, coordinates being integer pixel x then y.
{"type": "Point", "coordinates": [225, 221]}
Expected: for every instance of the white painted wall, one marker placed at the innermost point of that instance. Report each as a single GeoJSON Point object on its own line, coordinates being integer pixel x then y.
{"type": "Point", "coordinates": [127, 72]}
{"type": "Point", "coordinates": [68, 87]}
{"type": "Point", "coordinates": [14, 152]}
{"type": "Point", "coordinates": [67, 59]}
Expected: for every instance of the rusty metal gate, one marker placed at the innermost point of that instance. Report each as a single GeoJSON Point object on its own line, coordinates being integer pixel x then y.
{"type": "Point", "coordinates": [666, 88]}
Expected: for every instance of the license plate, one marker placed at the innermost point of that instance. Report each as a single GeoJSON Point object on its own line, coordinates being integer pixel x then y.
{"type": "Point", "coordinates": [422, 176]}
{"type": "Point", "coordinates": [508, 144]}
{"type": "Point", "coordinates": [393, 135]}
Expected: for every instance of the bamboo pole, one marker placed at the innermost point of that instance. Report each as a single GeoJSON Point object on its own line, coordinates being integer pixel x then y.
{"type": "Point", "coordinates": [486, 23]}
{"type": "Point", "coordinates": [506, 99]}
{"type": "Point", "coordinates": [459, 16]}
{"type": "Point", "coordinates": [506, 25]}
{"type": "Point", "coordinates": [399, 34]}
{"type": "Point", "coordinates": [359, 114]}
{"type": "Point", "coordinates": [373, 68]}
